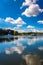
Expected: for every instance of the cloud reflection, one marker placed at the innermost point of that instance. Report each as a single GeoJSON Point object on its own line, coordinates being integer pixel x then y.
{"type": "Point", "coordinates": [17, 49]}
{"type": "Point", "coordinates": [19, 45]}
{"type": "Point", "coordinates": [33, 40]}
{"type": "Point", "coordinates": [32, 59]}
{"type": "Point", "coordinates": [40, 48]}
{"type": "Point", "coordinates": [22, 41]}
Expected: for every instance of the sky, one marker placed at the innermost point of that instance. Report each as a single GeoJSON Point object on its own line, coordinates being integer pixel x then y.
{"type": "Point", "coordinates": [21, 15]}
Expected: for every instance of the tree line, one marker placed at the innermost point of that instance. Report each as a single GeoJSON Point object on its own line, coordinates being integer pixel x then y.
{"type": "Point", "coordinates": [12, 32]}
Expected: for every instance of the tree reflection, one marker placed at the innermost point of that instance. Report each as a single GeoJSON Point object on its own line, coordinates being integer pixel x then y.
{"type": "Point", "coordinates": [8, 39]}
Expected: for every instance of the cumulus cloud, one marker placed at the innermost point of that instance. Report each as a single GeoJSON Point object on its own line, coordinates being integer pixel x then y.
{"type": "Point", "coordinates": [32, 10]}
{"type": "Point", "coordinates": [36, 30]}
{"type": "Point", "coordinates": [18, 21]}
{"type": "Point", "coordinates": [9, 19]}
{"type": "Point", "coordinates": [19, 25]}
{"type": "Point", "coordinates": [28, 2]}
{"type": "Point", "coordinates": [22, 30]}
{"type": "Point", "coordinates": [29, 26]}
{"type": "Point", "coordinates": [33, 29]}
{"type": "Point", "coordinates": [40, 22]}
{"type": "Point", "coordinates": [19, 29]}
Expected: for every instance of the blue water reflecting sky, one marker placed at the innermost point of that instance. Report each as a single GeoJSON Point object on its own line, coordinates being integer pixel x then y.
{"type": "Point", "coordinates": [12, 51]}
{"type": "Point", "coordinates": [21, 44]}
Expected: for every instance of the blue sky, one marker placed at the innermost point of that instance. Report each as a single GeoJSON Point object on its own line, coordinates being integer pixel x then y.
{"type": "Point", "coordinates": [21, 15]}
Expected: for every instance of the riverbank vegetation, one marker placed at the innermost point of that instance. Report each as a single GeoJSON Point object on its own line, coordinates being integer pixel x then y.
{"type": "Point", "coordinates": [13, 32]}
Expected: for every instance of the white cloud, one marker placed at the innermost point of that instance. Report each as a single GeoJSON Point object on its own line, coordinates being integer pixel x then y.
{"type": "Point", "coordinates": [32, 10]}
{"type": "Point", "coordinates": [21, 31]}
{"type": "Point", "coordinates": [40, 22]}
{"type": "Point", "coordinates": [18, 29]}
{"type": "Point", "coordinates": [28, 2]}
{"type": "Point", "coordinates": [9, 19]}
{"type": "Point", "coordinates": [19, 25]}
{"type": "Point", "coordinates": [29, 26]}
{"type": "Point", "coordinates": [35, 30]}
{"type": "Point", "coordinates": [18, 21]}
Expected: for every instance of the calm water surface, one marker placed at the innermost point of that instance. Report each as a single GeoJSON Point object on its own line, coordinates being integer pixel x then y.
{"type": "Point", "coordinates": [14, 48]}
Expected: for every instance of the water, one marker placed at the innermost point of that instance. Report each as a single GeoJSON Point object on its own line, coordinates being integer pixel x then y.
{"type": "Point", "coordinates": [13, 49]}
